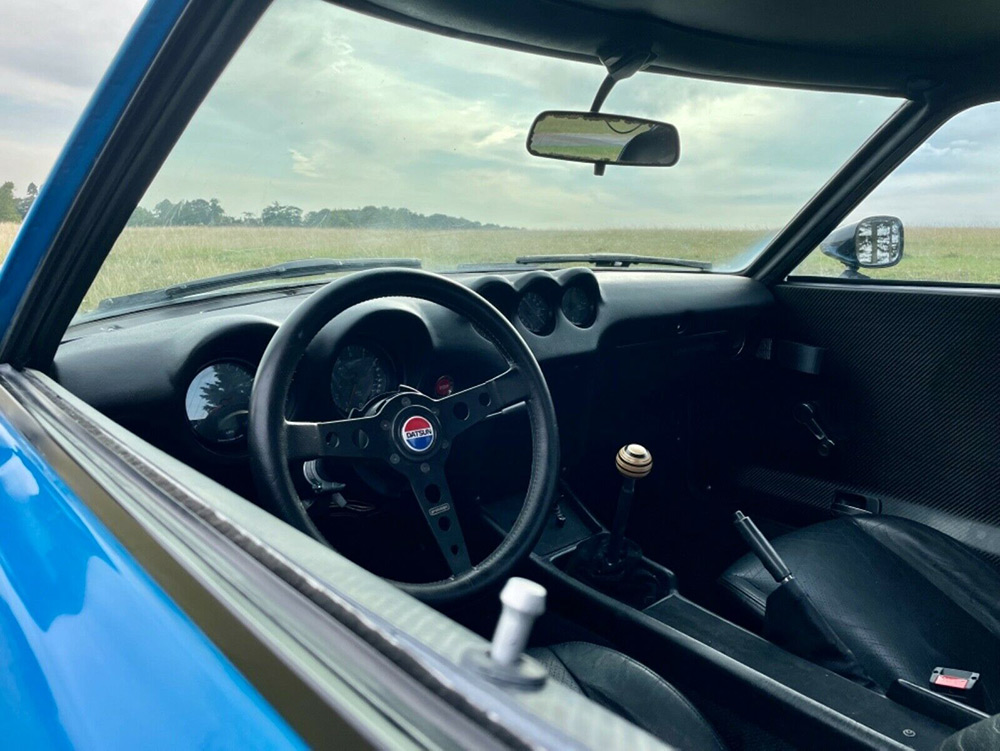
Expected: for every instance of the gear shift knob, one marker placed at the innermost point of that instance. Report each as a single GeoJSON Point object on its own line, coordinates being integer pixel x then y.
{"type": "Point", "coordinates": [634, 461]}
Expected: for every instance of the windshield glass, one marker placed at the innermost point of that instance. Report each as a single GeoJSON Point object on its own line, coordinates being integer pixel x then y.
{"type": "Point", "coordinates": [334, 135]}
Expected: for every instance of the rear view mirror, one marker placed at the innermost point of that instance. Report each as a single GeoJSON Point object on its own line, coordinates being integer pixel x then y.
{"type": "Point", "coordinates": [873, 243]}
{"type": "Point", "coordinates": [598, 138]}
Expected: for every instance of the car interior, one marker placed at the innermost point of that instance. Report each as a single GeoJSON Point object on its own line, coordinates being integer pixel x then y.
{"type": "Point", "coordinates": [763, 504]}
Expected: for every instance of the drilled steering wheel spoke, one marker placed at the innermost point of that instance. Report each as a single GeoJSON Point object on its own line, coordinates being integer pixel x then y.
{"type": "Point", "coordinates": [430, 486]}
{"type": "Point", "coordinates": [353, 438]}
{"type": "Point", "coordinates": [461, 411]}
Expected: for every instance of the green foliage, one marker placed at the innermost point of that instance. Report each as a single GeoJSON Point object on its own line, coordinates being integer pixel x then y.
{"type": "Point", "coordinates": [24, 204]}
{"type": "Point", "coordinates": [383, 217]}
{"type": "Point", "coordinates": [277, 215]}
{"type": "Point", "coordinates": [141, 218]}
{"type": "Point", "coordinates": [8, 204]}
{"type": "Point", "coordinates": [200, 212]}
{"type": "Point", "coordinates": [196, 213]}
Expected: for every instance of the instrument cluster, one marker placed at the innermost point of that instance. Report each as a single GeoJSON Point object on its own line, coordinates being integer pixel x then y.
{"type": "Point", "coordinates": [217, 400]}
{"type": "Point", "coordinates": [351, 369]}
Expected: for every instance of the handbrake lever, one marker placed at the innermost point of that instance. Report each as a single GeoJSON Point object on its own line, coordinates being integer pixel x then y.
{"type": "Point", "coordinates": [792, 620]}
{"type": "Point", "coordinates": [762, 548]}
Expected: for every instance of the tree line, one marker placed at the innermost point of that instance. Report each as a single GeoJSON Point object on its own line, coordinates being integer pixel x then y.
{"type": "Point", "coordinates": [200, 212]}
{"type": "Point", "coordinates": [12, 208]}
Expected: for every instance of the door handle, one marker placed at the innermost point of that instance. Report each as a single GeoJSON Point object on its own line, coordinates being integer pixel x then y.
{"type": "Point", "coordinates": [805, 415]}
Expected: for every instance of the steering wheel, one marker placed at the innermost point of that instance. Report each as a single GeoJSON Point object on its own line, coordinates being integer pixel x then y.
{"type": "Point", "coordinates": [412, 433]}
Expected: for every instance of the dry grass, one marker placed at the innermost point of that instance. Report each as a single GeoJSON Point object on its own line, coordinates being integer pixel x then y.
{"type": "Point", "coordinates": [7, 232]}
{"type": "Point", "coordinates": [145, 258]}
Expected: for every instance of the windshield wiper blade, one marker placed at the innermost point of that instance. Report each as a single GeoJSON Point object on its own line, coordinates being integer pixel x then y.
{"type": "Point", "coordinates": [286, 270]}
{"type": "Point", "coordinates": [489, 266]}
{"type": "Point", "coordinates": [613, 260]}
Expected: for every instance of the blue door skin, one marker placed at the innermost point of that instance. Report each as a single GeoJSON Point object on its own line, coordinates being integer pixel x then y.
{"type": "Point", "coordinates": [93, 654]}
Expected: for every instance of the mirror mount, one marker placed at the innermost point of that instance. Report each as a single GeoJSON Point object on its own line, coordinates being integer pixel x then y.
{"type": "Point", "coordinates": [619, 68]}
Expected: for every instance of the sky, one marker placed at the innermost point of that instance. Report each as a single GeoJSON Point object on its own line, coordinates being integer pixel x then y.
{"type": "Point", "coordinates": [325, 108]}
{"type": "Point", "coordinates": [52, 55]}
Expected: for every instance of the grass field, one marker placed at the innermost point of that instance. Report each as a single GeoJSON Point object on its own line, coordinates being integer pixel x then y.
{"type": "Point", "coordinates": [145, 258]}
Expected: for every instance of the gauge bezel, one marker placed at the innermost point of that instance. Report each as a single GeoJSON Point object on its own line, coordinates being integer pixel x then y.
{"type": "Point", "coordinates": [228, 446]}
{"type": "Point", "coordinates": [546, 298]}
{"type": "Point", "coordinates": [592, 298]}
{"type": "Point", "coordinates": [379, 351]}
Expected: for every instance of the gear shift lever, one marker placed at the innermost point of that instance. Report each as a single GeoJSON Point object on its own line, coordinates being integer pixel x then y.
{"type": "Point", "coordinates": [613, 564]}
{"type": "Point", "coordinates": [633, 462]}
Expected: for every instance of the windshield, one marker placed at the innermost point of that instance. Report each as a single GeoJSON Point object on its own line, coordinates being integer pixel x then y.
{"type": "Point", "coordinates": [334, 135]}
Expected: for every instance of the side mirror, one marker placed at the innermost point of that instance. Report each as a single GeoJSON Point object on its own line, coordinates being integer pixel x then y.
{"type": "Point", "coordinates": [599, 138]}
{"type": "Point", "coordinates": [872, 243]}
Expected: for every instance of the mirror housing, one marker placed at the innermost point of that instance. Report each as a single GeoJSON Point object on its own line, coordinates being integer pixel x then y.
{"type": "Point", "coordinates": [875, 242]}
{"type": "Point", "coordinates": [599, 138]}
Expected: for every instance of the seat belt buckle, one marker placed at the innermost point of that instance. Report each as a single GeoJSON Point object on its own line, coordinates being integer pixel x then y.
{"type": "Point", "coordinates": [959, 684]}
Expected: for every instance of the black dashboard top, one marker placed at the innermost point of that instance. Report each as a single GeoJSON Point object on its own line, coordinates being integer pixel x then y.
{"type": "Point", "coordinates": [192, 360]}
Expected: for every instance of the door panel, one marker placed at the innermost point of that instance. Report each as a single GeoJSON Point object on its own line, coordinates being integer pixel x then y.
{"type": "Point", "coordinates": [909, 390]}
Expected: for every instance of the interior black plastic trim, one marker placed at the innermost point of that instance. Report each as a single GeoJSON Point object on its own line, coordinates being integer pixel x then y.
{"type": "Point", "coordinates": [589, 31]}
{"type": "Point", "coordinates": [697, 650]}
{"type": "Point", "coordinates": [941, 708]}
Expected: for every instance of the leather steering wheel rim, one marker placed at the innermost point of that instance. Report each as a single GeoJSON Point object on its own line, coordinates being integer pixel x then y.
{"type": "Point", "coordinates": [274, 441]}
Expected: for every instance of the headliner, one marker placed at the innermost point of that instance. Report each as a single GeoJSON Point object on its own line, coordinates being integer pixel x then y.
{"type": "Point", "coordinates": [890, 47]}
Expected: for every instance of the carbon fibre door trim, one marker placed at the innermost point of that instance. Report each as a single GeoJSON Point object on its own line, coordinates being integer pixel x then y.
{"type": "Point", "coordinates": [912, 376]}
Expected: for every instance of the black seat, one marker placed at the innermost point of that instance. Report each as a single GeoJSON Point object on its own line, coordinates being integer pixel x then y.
{"type": "Point", "coordinates": [904, 597]}
{"type": "Point", "coordinates": [631, 690]}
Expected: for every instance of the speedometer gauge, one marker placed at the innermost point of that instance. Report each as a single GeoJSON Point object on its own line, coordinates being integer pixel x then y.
{"type": "Point", "coordinates": [218, 402]}
{"type": "Point", "coordinates": [359, 375]}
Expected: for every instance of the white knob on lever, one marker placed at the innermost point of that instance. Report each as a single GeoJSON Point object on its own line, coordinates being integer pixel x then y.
{"type": "Point", "coordinates": [523, 601]}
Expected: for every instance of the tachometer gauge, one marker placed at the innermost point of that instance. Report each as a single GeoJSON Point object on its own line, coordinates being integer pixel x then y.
{"type": "Point", "coordinates": [218, 402]}
{"type": "Point", "coordinates": [359, 375]}
{"type": "Point", "coordinates": [535, 313]}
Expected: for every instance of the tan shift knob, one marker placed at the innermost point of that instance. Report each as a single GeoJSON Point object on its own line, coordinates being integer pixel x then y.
{"type": "Point", "coordinates": [634, 461]}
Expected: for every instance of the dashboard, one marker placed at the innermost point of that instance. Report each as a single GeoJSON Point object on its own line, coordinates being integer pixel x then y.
{"type": "Point", "coordinates": [182, 376]}
{"type": "Point", "coordinates": [373, 361]}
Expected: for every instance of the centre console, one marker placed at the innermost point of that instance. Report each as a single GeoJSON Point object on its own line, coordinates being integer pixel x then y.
{"type": "Point", "coordinates": [603, 581]}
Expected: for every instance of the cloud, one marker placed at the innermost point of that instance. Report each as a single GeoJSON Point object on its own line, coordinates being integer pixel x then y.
{"type": "Point", "coordinates": [52, 54]}
{"type": "Point", "coordinates": [323, 107]}
{"type": "Point", "coordinates": [302, 165]}
{"type": "Point", "coordinates": [500, 135]}
{"type": "Point", "coordinates": [372, 112]}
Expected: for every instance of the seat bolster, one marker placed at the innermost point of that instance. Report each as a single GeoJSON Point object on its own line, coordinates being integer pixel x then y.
{"type": "Point", "coordinates": [631, 690]}
{"type": "Point", "coordinates": [950, 567]}
{"type": "Point", "coordinates": [905, 598]}
{"type": "Point", "coordinates": [960, 575]}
